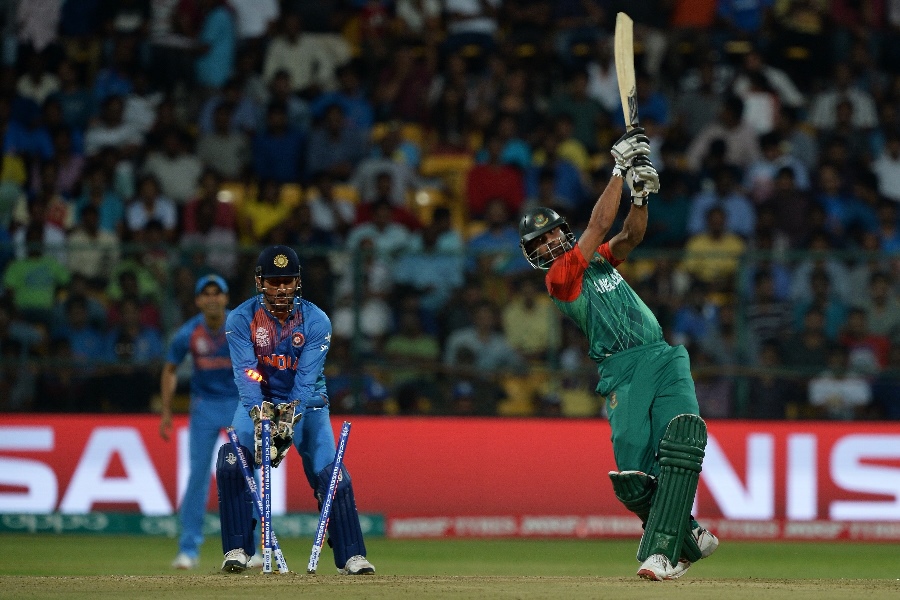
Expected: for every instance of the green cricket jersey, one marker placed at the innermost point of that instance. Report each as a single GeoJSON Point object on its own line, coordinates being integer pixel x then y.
{"type": "Point", "coordinates": [601, 303]}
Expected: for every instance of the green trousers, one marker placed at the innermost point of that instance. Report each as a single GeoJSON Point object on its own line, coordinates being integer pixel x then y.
{"type": "Point", "coordinates": [645, 387]}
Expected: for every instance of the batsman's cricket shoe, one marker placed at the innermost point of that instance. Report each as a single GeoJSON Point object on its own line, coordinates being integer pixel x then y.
{"type": "Point", "coordinates": [236, 561]}
{"type": "Point", "coordinates": [658, 568]}
{"type": "Point", "coordinates": [357, 565]}
{"type": "Point", "coordinates": [184, 561]}
{"type": "Point", "coordinates": [707, 543]}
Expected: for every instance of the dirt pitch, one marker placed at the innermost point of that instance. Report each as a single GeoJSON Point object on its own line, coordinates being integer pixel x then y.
{"type": "Point", "coordinates": [390, 587]}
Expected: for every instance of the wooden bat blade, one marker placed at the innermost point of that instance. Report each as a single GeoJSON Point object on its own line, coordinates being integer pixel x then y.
{"type": "Point", "coordinates": [624, 53]}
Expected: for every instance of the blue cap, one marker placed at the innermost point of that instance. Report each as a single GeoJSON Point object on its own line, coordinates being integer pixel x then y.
{"type": "Point", "coordinates": [208, 279]}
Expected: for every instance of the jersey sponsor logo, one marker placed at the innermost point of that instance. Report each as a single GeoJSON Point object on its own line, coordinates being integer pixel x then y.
{"type": "Point", "coordinates": [262, 336]}
{"type": "Point", "coordinates": [278, 361]}
{"type": "Point", "coordinates": [297, 339]}
{"type": "Point", "coordinates": [607, 284]}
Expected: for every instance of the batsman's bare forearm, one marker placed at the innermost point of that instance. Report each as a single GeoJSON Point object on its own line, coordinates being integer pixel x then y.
{"type": "Point", "coordinates": [633, 230]}
{"type": "Point", "coordinates": [602, 217]}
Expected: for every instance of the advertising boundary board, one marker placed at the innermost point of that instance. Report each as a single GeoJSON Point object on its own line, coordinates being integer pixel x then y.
{"type": "Point", "coordinates": [484, 477]}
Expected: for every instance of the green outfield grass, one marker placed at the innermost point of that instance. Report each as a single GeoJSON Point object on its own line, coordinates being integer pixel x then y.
{"type": "Point", "coordinates": [79, 566]}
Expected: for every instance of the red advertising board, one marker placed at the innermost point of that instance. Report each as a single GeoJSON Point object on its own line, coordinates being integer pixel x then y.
{"type": "Point", "coordinates": [481, 476]}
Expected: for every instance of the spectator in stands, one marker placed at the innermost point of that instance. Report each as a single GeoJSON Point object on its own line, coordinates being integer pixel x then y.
{"type": "Point", "coordinates": [209, 226]}
{"type": "Point", "coordinates": [389, 239]}
{"type": "Point", "coordinates": [882, 306]}
{"type": "Point", "coordinates": [335, 145]}
{"type": "Point", "coordinates": [824, 299]}
{"type": "Point", "coordinates": [839, 392]}
{"type": "Point", "coordinates": [175, 167]}
{"type": "Point", "coordinates": [713, 255]}
{"type": "Point", "coordinates": [311, 59]}
{"type": "Point", "coordinates": [150, 204]}
{"type": "Point", "coordinates": [225, 151]}
{"type": "Point", "coordinates": [245, 116]}
{"type": "Point", "coordinates": [34, 279]}
{"type": "Point", "coordinates": [769, 393]}
{"type": "Point", "coordinates": [824, 105]}
{"type": "Point", "coordinates": [429, 272]}
{"type": "Point", "coordinates": [263, 208]}
{"type": "Point", "coordinates": [278, 149]}
{"type": "Point", "coordinates": [402, 84]}
{"type": "Point", "coordinates": [887, 167]}
{"type": "Point", "coordinates": [667, 223]}
{"type": "Point", "coordinates": [18, 337]}
{"type": "Point", "coordinates": [585, 112]}
{"type": "Point", "coordinates": [530, 322]}
{"type": "Point", "coordinates": [768, 317]}
{"type": "Point", "coordinates": [740, 216]}
{"type": "Point", "coordinates": [483, 339]}
{"type": "Point", "coordinates": [386, 156]}
{"type": "Point", "coordinates": [886, 388]}
{"type": "Point", "coordinates": [97, 192]}
{"type": "Point", "coordinates": [330, 213]}
{"type": "Point", "coordinates": [92, 252]}
{"type": "Point", "coordinates": [868, 351]}
{"type": "Point", "coordinates": [497, 247]}
{"type": "Point", "coordinates": [74, 98]}
{"type": "Point", "coordinates": [741, 142]}
{"type": "Point", "coordinates": [350, 96]}
{"type": "Point", "coordinates": [492, 181]}
{"type": "Point", "coordinates": [280, 91]}
{"type": "Point", "coordinates": [111, 129]}
{"type": "Point", "coordinates": [715, 392]}
{"type": "Point", "coordinates": [413, 354]}
{"type": "Point", "coordinates": [136, 352]}
{"type": "Point", "coordinates": [566, 186]}
{"type": "Point", "coordinates": [216, 44]}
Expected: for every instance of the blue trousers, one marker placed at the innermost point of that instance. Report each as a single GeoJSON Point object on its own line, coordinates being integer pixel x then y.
{"type": "Point", "coordinates": [207, 418]}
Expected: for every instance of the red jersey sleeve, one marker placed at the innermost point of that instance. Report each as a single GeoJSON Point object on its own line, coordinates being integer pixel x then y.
{"type": "Point", "coordinates": [606, 253]}
{"type": "Point", "coordinates": [564, 277]}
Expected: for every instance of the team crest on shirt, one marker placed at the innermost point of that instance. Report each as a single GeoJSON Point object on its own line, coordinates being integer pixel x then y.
{"type": "Point", "coordinates": [262, 336]}
{"type": "Point", "coordinates": [297, 339]}
{"type": "Point", "coordinates": [613, 400]}
{"type": "Point", "coordinates": [202, 346]}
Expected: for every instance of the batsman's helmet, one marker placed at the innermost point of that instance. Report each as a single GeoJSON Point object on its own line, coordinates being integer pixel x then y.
{"type": "Point", "coordinates": [535, 223]}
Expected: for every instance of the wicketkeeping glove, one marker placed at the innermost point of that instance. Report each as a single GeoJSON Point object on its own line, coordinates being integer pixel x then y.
{"type": "Point", "coordinates": [256, 413]}
{"type": "Point", "coordinates": [628, 147]}
{"type": "Point", "coordinates": [283, 430]}
{"type": "Point", "coordinates": [642, 179]}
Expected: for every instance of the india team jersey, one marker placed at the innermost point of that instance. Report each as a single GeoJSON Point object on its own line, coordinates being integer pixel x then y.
{"type": "Point", "coordinates": [211, 377]}
{"type": "Point", "coordinates": [601, 303]}
{"type": "Point", "coordinates": [290, 358]}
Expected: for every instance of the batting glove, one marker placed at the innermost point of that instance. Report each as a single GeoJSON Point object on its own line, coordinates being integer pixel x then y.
{"type": "Point", "coordinates": [628, 147]}
{"type": "Point", "coordinates": [283, 430]}
{"type": "Point", "coordinates": [266, 409]}
{"type": "Point", "coordinates": [642, 179]}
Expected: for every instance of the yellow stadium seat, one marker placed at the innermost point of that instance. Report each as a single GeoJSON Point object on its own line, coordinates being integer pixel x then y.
{"type": "Point", "coordinates": [435, 165]}
{"type": "Point", "coordinates": [291, 192]}
{"type": "Point", "coordinates": [413, 132]}
{"type": "Point", "coordinates": [344, 191]}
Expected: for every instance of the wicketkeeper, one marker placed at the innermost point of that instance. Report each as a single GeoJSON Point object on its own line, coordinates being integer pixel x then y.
{"type": "Point", "coordinates": [278, 343]}
{"type": "Point", "coordinates": [657, 434]}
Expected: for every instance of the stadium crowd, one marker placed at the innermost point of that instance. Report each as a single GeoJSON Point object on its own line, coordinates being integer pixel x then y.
{"type": "Point", "coordinates": [394, 143]}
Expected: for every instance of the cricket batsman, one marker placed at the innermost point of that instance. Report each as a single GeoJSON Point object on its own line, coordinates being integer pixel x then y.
{"type": "Point", "coordinates": [278, 343]}
{"type": "Point", "coordinates": [658, 436]}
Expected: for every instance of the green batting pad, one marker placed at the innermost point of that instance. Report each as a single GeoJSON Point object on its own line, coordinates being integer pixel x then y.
{"type": "Point", "coordinates": [680, 461]}
{"type": "Point", "coordinates": [635, 490]}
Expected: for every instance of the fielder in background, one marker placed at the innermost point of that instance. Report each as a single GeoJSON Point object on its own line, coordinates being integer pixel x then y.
{"type": "Point", "coordinates": [214, 399]}
{"type": "Point", "coordinates": [658, 436]}
{"type": "Point", "coordinates": [278, 345]}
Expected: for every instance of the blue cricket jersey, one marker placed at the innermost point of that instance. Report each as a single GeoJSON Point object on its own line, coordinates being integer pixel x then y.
{"type": "Point", "coordinates": [211, 377]}
{"type": "Point", "coordinates": [290, 357]}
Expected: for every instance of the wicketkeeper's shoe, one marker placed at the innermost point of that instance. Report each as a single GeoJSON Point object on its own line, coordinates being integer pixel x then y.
{"type": "Point", "coordinates": [184, 561]}
{"type": "Point", "coordinates": [236, 561]}
{"type": "Point", "coordinates": [256, 561]}
{"type": "Point", "coordinates": [658, 568]}
{"type": "Point", "coordinates": [357, 565]}
{"type": "Point", "coordinates": [707, 543]}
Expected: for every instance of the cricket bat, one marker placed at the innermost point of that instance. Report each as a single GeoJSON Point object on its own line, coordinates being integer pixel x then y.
{"type": "Point", "coordinates": [624, 52]}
